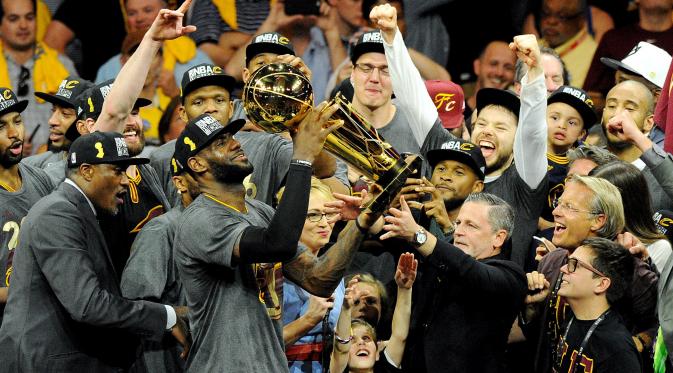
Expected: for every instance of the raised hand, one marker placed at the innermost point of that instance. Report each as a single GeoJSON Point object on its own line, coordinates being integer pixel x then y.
{"type": "Point", "coordinates": [633, 244]}
{"type": "Point", "coordinates": [296, 62]}
{"type": "Point", "coordinates": [526, 49]}
{"type": "Point", "coordinates": [400, 223]}
{"type": "Point", "coordinates": [624, 128]}
{"type": "Point", "coordinates": [352, 294]}
{"type": "Point", "coordinates": [538, 288]}
{"type": "Point", "coordinates": [313, 130]}
{"type": "Point", "coordinates": [348, 207]}
{"type": "Point", "coordinates": [168, 24]}
{"type": "Point", "coordinates": [436, 208]}
{"type": "Point", "coordinates": [385, 18]}
{"type": "Point", "coordinates": [412, 191]}
{"type": "Point", "coordinates": [405, 275]}
{"type": "Point", "coordinates": [318, 307]}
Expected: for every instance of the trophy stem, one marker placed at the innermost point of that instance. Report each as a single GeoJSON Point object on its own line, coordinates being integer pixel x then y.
{"type": "Point", "coordinates": [392, 181]}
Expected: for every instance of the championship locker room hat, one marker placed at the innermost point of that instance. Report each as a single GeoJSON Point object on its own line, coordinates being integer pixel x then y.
{"type": "Point", "coordinates": [92, 104]}
{"type": "Point", "coordinates": [578, 100]}
{"type": "Point", "coordinates": [449, 100]}
{"type": "Point", "coordinates": [268, 42]}
{"type": "Point", "coordinates": [68, 92]}
{"type": "Point", "coordinates": [198, 134]}
{"type": "Point", "coordinates": [203, 75]}
{"type": "Point", "coordinates": [101, 148]}
{"type": "Point", "coordinates": [371, 41]}
{"type": "Point", "coordinates": [10, 103]}
{"type": "Point", "coordinates": [663, 219]}
{"type": "Point", "coordinates": [646, 60]}
{"type": "Point", "coordinates": [461, 151]}
{"type": "Point", "coordinates": [500, 97]}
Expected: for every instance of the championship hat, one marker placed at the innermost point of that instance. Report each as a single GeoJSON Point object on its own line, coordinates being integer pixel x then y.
{"type": "Point", "coordinates": [500, 97]}
{"type": "Point", "coordinates": [101, 148]}
{"type": "Point", "coordinates": [268, 42]}
{"type": "Point", "coordinates": [461, 151]}
{"type": "Point", "coordinates": [578, 100]}
{"type": "Point", "coordinates": [449, 101]}
{"type": "Point", "coordinates": [371, 41]}
{"type": "Point", "coordinates": [198, 134]}
{"type": "Point", "coordinates": [646, 60]}
{"type": "Point", "coordinates": [10, 103]}
{"type": "Point", "coordinates": [68, 92]}
{"type": "Point", "coordinates": [92, 105]}
{"type": "Point", "coordinates": [663, 219]}
{"type": "Point", "coordinates": [203, 75]}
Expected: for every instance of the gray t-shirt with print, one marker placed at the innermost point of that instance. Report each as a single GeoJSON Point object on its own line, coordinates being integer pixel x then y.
{"type": "Point", "coordinates": [233, 331]}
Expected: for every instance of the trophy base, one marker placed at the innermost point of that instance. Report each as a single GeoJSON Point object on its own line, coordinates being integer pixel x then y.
{"type": "Point", "coordinates": [392, 181]}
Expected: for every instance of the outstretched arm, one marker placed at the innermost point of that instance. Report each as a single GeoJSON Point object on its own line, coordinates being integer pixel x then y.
{"type": "Point", "coordinates": [126, 89]}
{"type": "Point", "coordinates": [530, 140]}
{"type": "Point", "coordinates": [343, 335]}
{"type": "Point", "coordinates": [404, 277]}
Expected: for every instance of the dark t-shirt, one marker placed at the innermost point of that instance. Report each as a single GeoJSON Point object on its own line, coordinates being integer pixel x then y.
{"type": "Point", "coordinates": [610, 348]}
{"type": "Point", "coordinates": [99, 25]}
{"type": "Point", "coordinates": [557, 170]}
{"type": "Point", "coordinates": [616, 44]}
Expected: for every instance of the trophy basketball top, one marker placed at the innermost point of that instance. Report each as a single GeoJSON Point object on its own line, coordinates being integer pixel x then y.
{"type": "Point", "coordinates": [277, 97]}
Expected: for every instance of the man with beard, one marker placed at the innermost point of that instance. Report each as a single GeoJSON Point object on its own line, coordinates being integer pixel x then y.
{"type": "Point", "coordinates": [64, 110]}
{"type": "Point", "coordinates": [637, 101]}
{"type": "Point", "coordinates": [21, 185]}
{"type": "Point", "coordinates": [152, 274]}
{"type": "Point", "coordinates": [232, 252]}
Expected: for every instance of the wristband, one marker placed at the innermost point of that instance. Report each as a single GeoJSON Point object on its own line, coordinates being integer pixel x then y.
{"type": "Point", "coordinates": [361, 228]}
{"type": "Point", "coordinates": [343, 341]}
{"type": "Point", "coordinates": [301, 162]}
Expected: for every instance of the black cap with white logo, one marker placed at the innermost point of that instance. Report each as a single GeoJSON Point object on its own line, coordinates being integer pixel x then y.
{"type": "Point", "coordinates": [578, 100]}
{"type": "Point", "coordinates": [498, 97]}
{"type": "Point", "coordinates": [10, 103]}
{"type": "Point", "coordinates": [92, 104]}
{"type": "Point", "coordinates": [371, 41]}
{"type": "Point", "coordinates": [68, 92]}
{"type": "Point", "coordinates": [101, 148]}
{"type": "Point", "coordinates": [203, 75]}
{"type": "Point", "coordinates": [663, 219]}
{"type": "Point", "coordinates": [268, 42]}
{"type": "Point", "coordinates": [461, 151]}
{"type": "Point", "coordinates": [198, 134]}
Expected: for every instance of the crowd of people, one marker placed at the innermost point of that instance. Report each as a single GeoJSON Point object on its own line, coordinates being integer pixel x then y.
{"type": "Point", "coordinates": [150, 223]}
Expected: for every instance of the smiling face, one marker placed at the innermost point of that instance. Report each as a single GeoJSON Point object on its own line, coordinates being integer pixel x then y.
{"type": "Point", "coordinates": [363, 354]}
{"type": "Point", "coordinates": [573, 218]}
{"type": "Point", "coordinates": [315, 235]}
{"type": "Point", "coordinates": [141, 13]}
{"type": "Point", "coordinates": [11, 139]}
{"type": "Point", "coordinates": [564, 127]}
{"type": "Point", "coordinates": [373, 89]}
{"type": "Point", "coordinates": [494, 132]}
{"type": "Point", "coordinates": [495, 68]}
{"type": "Point", "coordinates": [582, 283]}
{"type": "Point", "coordinates": [225, 159]}
{"type": "Point", "coordinates": [455, 180]}
{"type": "Point", "coordinates": [134, 136]}
{"type": "Point", "coordinates": [60, 120]}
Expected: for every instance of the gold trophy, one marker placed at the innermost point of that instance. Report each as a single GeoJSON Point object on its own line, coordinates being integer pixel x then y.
{"type": "Point", "coordinates": [278, 96]}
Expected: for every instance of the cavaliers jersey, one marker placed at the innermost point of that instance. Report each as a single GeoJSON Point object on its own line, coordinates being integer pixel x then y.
{"type": "Point", "coordinates": [14, 206]}
{"type": "Point", "coordinates": [140, 206]}
{"type": "Point", "coordinates": [557, 170]}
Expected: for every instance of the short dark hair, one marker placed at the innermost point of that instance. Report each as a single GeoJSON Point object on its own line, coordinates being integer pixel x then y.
{"type": "Point", "coordinates": [2, 8]}
{"type": "Point", "coordinates": [616, 262]}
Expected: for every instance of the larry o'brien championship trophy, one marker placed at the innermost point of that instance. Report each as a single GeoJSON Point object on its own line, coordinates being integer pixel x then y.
{"type": "Point", "coordinates": [278, 96]}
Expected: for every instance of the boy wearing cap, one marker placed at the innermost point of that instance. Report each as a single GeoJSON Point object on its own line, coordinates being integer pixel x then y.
{"type": "Point", "coordinates": [227, 268]}
{"type": "Point", "coordinates": [64, 274]}
{"type": "Point", "coordinates": [21, 185]}
{"type": "Point", "coordinates": [63, 115]}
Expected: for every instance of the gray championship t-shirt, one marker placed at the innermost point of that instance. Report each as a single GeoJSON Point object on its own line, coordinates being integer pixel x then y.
{"type": "Point", "coordinates": [527, 204]}
{"type": "Point", "coordinates": [43, 160]}
{"type": "Point", "coordinates": [232, 329]}
{"type": "Point", "coordinates": [13, 208]}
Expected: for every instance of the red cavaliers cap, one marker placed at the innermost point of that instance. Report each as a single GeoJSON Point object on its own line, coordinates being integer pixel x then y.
{"type": "Point", "coordinates": [449, 101]}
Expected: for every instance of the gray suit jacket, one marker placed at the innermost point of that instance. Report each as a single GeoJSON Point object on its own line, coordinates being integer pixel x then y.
{"type": "Point", "coordinates": [665, 306]}
{"type": "Point", "coordinates": [65, 312]}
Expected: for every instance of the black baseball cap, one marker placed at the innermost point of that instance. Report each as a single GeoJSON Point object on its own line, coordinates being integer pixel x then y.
{"type": "Point", "coordinates": [68, 92]}
{"type": "Point", "coordinates": [203, 75]}
{"type": "Point", "coordinates": [198, 134]}
{"type": "Point", "coordinates": [371, 41]}
{"type": "Point", "coordinates": [268, 42]}
{"type": "Point", "coordinates": [500, 97]}
{"type": "Point", "coordinates": [92, 104]}
{"type": "Point", "coordinates": [663, 219]}
{"type": "Point", "coordinates": [461, 151]}
{"type": "Point", "coordinates": [578, 100]}
{"type": "Point", "coordinates": [9, 103]}
{"type": "Point", "coordinates": [101, 148]}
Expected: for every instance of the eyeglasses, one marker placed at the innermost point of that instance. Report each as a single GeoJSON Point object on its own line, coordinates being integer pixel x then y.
{"type": "Point", "coordinates": [544, 14]}
{"type": "Point", "coordinates": [565, 206]}
{"type": "Point", "coordinates": [22, 89]}
{"type": "Point", "coordinates": [317, 216]}
{"type": "Point", "coordinates": [572, 267]}
{"type": "Point", "coordinates": [368, 69]}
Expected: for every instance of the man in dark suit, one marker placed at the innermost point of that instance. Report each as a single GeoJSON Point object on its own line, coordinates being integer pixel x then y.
{"type": "Point", "coordinates": [65, 311]}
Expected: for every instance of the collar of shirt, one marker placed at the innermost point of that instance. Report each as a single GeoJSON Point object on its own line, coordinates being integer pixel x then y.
{"type": "Point", "coordinates": [69, 181]}
{"type": "Point", "coordinates": [640, 165]}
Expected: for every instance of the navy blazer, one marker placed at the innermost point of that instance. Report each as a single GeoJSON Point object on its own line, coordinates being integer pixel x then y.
{"type": "Point", "coordinates": [65, 312]}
